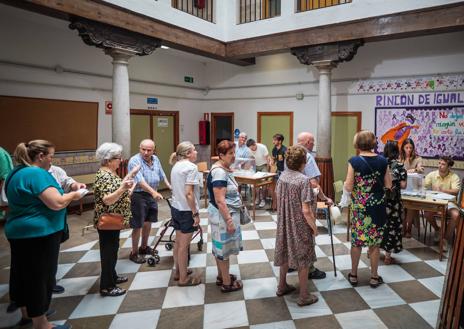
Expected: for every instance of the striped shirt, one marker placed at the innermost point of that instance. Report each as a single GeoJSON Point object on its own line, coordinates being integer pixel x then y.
{"type": "Point", "coordinates": [152, 174]}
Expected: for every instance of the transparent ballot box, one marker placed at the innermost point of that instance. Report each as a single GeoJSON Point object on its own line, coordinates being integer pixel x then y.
{"type": "Point", "coordinates": [245, 166]}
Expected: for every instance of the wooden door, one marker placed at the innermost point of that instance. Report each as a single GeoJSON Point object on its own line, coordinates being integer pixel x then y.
{"type": "Point", "coordinates": [222, 127]}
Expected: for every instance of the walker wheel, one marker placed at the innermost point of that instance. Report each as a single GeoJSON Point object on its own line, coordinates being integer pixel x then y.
{"type": "Point", "coordinates": [200, 246]}
{"type": "Point", "coordinates": [168, 246]}
{"type": "Point", "coordinates": [151, 261]}
{"type": "Point", "coordinates": [155, 252]}
{"type": "Point", "coordinates": [157, 258]}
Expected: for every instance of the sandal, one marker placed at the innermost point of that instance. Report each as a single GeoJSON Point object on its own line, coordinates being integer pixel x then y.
{"type": "Point", "coordinates": [308, 301]}
{"type": "Point", "coordinates": [112, 292]}
{"type": "Point", "coordinates": [375, 281]}
{"type": "Point", "coordinates": [189, 271]}
{"type": "Point", "coordinates": [190, 282]}
{"type": "Point", "coordinates": [137, 258]}
{"type": "Point", "coordinates": [389, 260]}
{"type": "Point", "coordinates": [354, 282]}
{"type": "Point", "coordinates": [287, 290]}
{"type": "Point", "coordinates": [233, 286]}
{"type": "Point", "coordinates": [121, 279]}
{"type": "Point", "coordinates": [219, 279]}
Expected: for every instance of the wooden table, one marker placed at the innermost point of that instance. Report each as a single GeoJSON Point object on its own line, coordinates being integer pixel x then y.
{"type": "Point", "coordinates": [266, 179]}
{"type": "Point", "coordinates": [433, 205]}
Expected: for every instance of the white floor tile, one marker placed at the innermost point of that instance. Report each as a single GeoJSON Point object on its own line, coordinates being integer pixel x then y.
{"type": "Point", "coordinates": [360, 319]}
{"type": "Point", "coordinates": [440, 266]}
{"type": "Point", "coordinates": [90, 256]}
{"type": "Point", "coordinates": [9, 320]}
{"type": "Point", "coordinates": [383, 296]}
{"type": "Point", "coordinates": [209, 248]}
{"type": "Point", "coordinates": [428, 310]}
{"type": "Point", "coordinates": [339, 229]}
{"type": "Point", "coordinates": [331, 282]}
{"type": "Point", "coordinates": [250, 235]}
{"type": "Point", "coordinates": [197, 260]}
{"type": "Point", "coordinates": [61, 271]}
{"type": "Point", "coordinates": [325, 239]}
{"type": "Point", "coordinates": [211, 272]}
{"type": "Point", "coordinates": [184, 296]}
{"type": "Point", "coordinates": [152, 279]}
{"type": "Point", "coordinates": [268, 243]}
{"type": "Point", "coordinates": [128, 242]}
{"type": "Point", "coordinates": [434, 284]}
{"type": "Point", "coordinates": [406, 257]}
{"type": "Point", "coordinates": [259, 288]}
{"type": "Point", "coordinates": [343, 262]}
{"type": "Point", "coordinates": [76, 286]}
{"type": "Point", "coordinates": [394, 273]}
{"type": "Point", "coordinates": [274, 218]}
{"type": "Point", "coordinates": [126, 266]}
{"type": "Point", "coordinates": [252, 256]}
{"type": "Point", "coordinates": [82, 247]}
{"type": "Point", "coordinates": [125, 234]}
{"type": "Point", "coordinates": [197, 238]}
{"type": "Point", "coordinates": [158, 224]}
{"type": "Point", "coordinates": [216, 316]}
{"type": "Point", "coordinates": [136, 320]}
{"type": "Point", "coordinates": [275, 325]}
{"type": "Point", "coordinates": [320, 253]}
{"type": "Point", "coordinates": [297, 312]}
{"type": "Point", "coordinates": [265, 226]}
{"type": "Point", "coordinates": [96, 305]}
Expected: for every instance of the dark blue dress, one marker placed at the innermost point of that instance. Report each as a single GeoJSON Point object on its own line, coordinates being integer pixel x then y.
{"type": "Point", "coordinates": [368, 212]}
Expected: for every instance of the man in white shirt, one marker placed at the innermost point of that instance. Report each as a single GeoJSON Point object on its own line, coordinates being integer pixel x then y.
{"type": "Point", "coordinates": [261, 155]}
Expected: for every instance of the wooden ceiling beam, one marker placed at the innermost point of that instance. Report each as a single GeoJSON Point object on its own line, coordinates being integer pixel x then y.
{"type": "Point", "coordinates": [407, 24]}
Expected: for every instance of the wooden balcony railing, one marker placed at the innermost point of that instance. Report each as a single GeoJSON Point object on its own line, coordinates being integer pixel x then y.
{"type": "Point", "coordinates": [255, 10]}
{"type": "Point", "coordinates": [305, 5]}
{"type": "Point", "coordinates": [203, 9]}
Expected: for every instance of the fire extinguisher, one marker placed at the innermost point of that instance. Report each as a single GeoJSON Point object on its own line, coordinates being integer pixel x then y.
{"type": "Point", "coordinates": [200, 4]}
{"type": "Point", "coordinates": [204, 130]}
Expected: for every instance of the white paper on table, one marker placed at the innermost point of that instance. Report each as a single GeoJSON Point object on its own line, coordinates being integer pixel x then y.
{"type": "Point", "coordinates": [441, 196]}
{"type": "Point", "coordinates": [259, 174]}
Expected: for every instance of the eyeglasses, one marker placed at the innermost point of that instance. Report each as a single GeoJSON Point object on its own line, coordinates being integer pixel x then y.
{"type": "Point", "coordinates": [117, 158]}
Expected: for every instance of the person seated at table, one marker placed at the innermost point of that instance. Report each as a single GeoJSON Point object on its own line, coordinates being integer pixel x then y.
{"type": "Point", "coordinates": [413, 164]}
{"type": "Point", "coordinates": [261, 155]}
{"type": "Point", "coordinates": [446, 181]}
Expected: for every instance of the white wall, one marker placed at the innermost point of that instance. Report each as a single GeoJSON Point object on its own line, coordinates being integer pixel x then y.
{"type": "Point", "coordinates": [227, 13]}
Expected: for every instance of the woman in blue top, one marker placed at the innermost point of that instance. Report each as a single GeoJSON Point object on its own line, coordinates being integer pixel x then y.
{"type": "Point", "coordinates": [367, 176]}
{"type": "Point", "coordinates": [34, 229]}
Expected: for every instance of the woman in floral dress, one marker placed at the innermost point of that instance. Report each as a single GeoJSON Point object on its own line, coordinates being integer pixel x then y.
{"type": "Point", "coordinates": [367, 176]}
{"type": "Point", "coordinates": [392, 239]}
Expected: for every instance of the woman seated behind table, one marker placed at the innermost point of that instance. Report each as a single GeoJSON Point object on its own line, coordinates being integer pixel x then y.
{"type": "Point", "coordinates": [446, 181]}
{"type": "Point", "coordinates": [413, 164]}
{"type": "Point", "coordinates": [185, 182]}
{"type": "Point", "coordinates": [111, 197]}
{"type": "Point", "coordinates": [34, 229]}
{"type": "Point", "coordinates": [296, 225]}
{"type": "Point", "coordinates": [224, 215]}
{"type": "Point", "coordinates": [366, 178]}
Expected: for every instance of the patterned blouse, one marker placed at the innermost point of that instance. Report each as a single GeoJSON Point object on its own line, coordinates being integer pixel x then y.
{"type": "Point", "coordinates": [107, 183]}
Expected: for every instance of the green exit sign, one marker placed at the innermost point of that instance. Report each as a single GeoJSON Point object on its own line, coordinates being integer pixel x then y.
{"type": "Point", "coordinates": [188, 79]}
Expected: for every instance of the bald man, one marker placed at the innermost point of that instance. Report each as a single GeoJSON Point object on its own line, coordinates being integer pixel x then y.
{"type": "Point", "coordinates": [312, 171]}
{"type": "Point", "coordinates": [144, 204]}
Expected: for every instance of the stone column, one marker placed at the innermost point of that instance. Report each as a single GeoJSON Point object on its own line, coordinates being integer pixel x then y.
{"type": "Point", "coordinates": [325, 108]}
{"type": "Point", "coordinates": [325, 58]}
{"type": "Point", "coordinates": [121, 45]}
{"type": "Point", "coordinates": [121, 99]}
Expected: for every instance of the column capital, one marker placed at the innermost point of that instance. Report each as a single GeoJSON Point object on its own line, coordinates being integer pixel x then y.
{"type": "Point", "coordinates": [120, 56]}
{"type": "Point", "coordinates": [324, 67]}
{"type": "Point", "coordinates": [110, 38]}
{"type": "Point", "coordinates": [334, 52]}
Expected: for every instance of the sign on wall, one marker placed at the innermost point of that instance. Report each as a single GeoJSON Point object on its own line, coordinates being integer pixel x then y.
{"type": "Point", "coordinates": [432, 120]}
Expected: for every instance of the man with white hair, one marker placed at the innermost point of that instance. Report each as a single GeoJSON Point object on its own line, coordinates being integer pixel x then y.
{"type": "Point", "coordinates": [312, 171]}
{"type": "Point", "coordinates": [242, 152]}
{"type": "Point", "coordinates": [144, 204]}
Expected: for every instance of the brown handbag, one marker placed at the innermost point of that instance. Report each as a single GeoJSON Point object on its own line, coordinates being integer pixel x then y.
{"type": "Point", "coordinates": [108, 222]}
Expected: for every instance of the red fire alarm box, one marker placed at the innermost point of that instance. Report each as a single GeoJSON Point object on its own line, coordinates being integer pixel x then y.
{"type": "Point", "coordinates": [204, 130]}
{"type": "Point", "coordinates": [200, 4]}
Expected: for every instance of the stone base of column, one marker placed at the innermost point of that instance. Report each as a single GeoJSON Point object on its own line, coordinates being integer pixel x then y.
{"type": "Point", "coordinates": [327, 177]}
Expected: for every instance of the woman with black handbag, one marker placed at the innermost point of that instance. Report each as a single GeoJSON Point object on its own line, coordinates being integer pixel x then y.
{"type": "Point", "coordinates": [112, 213]}
{"type": "Point", "coordinates": [36, 222]}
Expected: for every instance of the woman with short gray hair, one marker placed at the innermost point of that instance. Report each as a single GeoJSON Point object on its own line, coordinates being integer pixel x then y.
{"type": "Point", "coordinates": [111, 197]}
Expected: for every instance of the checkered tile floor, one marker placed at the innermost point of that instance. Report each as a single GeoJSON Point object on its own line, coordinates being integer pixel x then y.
{"type": "Point", "coordinates": [409, 299]}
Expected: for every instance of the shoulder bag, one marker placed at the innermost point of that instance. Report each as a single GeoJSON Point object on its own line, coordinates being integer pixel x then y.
{"type": "Point", "coordinates": [110, 221]}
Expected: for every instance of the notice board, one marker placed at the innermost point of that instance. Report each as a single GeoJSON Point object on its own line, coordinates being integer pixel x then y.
{"type": "Point", "coordinates": [70, 125]}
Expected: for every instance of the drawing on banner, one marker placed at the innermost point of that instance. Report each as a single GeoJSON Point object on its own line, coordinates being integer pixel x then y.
{"type": "Point", "coordinates": [436, 130]}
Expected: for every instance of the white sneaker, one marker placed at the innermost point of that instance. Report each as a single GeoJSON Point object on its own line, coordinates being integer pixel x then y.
{"type": "Point", "coordinates": [262, 203]}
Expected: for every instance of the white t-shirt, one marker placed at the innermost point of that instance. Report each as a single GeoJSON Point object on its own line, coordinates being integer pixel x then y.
{"type": "Point", "coordinates": [260, 154]}
{"type": "Point", "coordinates": [184, 173]}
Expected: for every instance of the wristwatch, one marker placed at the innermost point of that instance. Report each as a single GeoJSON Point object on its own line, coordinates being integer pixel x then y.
{"type": "Point", "coordinates": [195, 215]}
